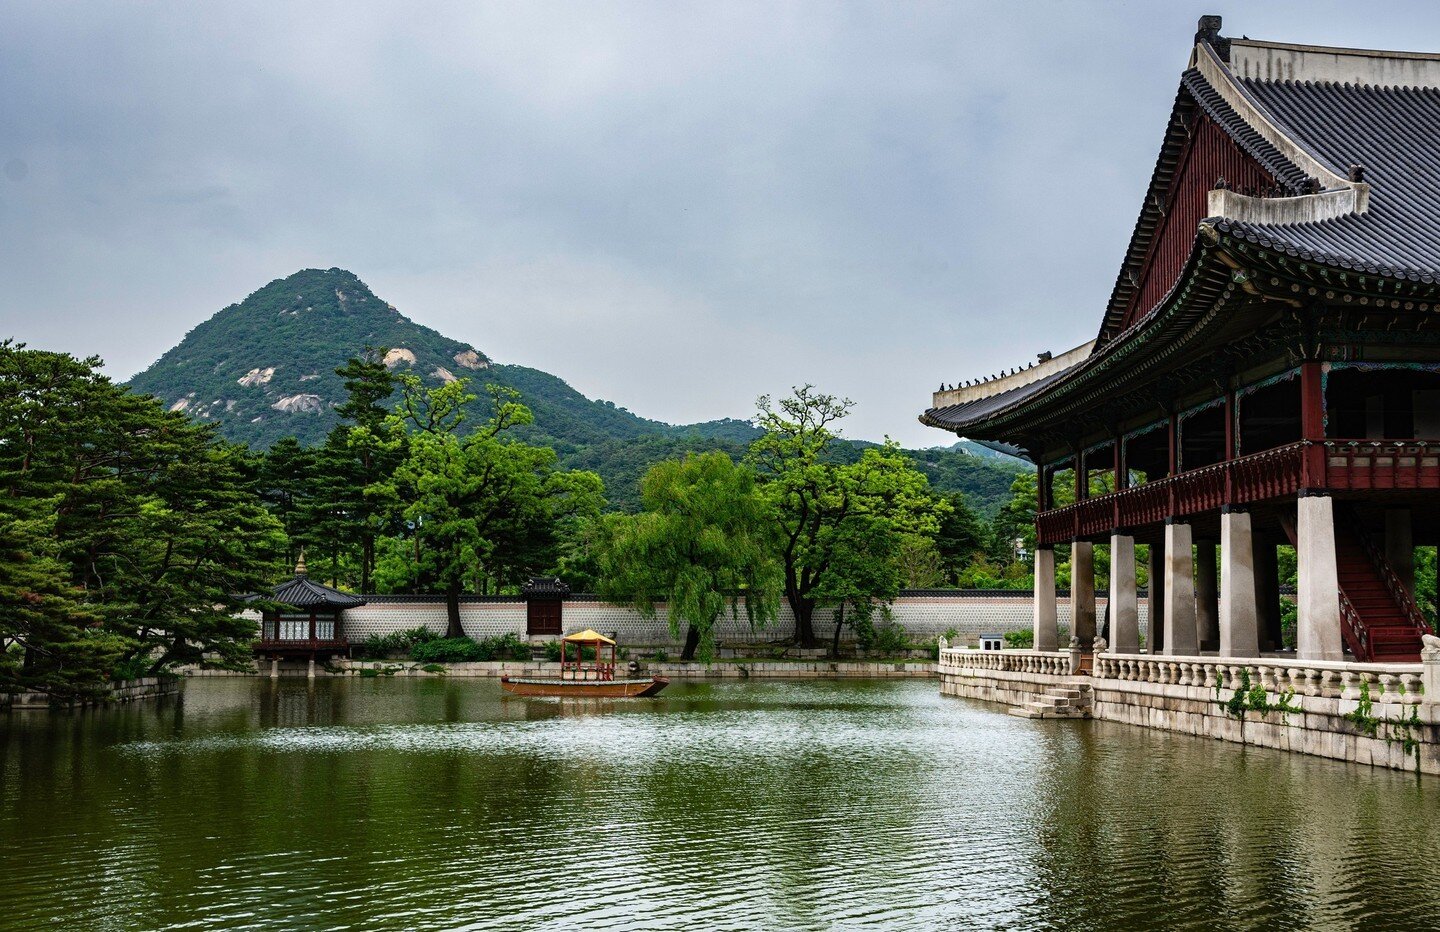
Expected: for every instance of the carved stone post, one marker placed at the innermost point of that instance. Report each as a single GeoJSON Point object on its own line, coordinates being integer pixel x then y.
{"type": "Point", "coordinates": [1430, 676]}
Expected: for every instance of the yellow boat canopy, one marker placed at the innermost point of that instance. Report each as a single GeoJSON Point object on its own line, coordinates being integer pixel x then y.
{"type": "Point", "coordinates": [588, 636]}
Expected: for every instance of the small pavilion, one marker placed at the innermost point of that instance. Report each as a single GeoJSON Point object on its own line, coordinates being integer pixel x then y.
{"type": "Point", "coordinates": [600, 667]}
{"type": "Point", "coordinates": [308, 621]}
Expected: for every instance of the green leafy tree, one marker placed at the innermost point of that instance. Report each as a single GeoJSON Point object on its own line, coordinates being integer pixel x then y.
{"type": "Point", "coordinates": [132, 528]}
{"type": "Point", "coordinates": [813, 493]}
{"type": "Point", "coordinates": [704, 544]}
{"type": "Point", "coordinates": [482, 507]}
{"type": "Point", "coordinates": [867, 570]}
{"type": "Point", "coordinates": [962, 538]}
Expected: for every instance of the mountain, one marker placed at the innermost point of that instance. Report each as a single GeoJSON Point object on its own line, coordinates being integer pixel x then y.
{"type": "Point", "coordinates": [265, 369]}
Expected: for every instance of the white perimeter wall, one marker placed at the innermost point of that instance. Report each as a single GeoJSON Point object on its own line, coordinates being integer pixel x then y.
{"type": "Point", "coordinates": [924, 618]}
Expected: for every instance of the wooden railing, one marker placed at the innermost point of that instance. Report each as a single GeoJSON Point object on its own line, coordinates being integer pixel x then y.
{"type": "Point", "coordinates": [1257, 477]}
{"type": "Point", "coordinates": [273, 643]}
{"type": "Point", "coordinates": [1381, 464]}
{"type": "Point", "coordinates": [1338, 465]}
{"type": "Point", "coordinates": [1393, 583]}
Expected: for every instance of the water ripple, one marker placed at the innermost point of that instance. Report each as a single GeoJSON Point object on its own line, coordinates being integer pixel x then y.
{"type": "Point", "coordinates": [444, 805]}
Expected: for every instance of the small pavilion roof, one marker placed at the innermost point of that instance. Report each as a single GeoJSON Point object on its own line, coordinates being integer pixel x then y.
{"type": "Point", "coordinates": [304, 592]}
{"type": "Point", "coordinates": [588, 636]}
{"type": "Point", "coordinates": [300, 591]}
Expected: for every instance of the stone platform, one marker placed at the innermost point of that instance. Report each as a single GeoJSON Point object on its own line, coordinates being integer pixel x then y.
{"type": "Point", "coordinates": [1383, 715]}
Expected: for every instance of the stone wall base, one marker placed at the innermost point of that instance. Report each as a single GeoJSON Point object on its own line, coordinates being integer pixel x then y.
{"type": "Point", "coordinates": [149, 687]}
{"type": "Point", "coordinates": [1319, 728]}
{"type": "Point", "coordinates": [804, 669]}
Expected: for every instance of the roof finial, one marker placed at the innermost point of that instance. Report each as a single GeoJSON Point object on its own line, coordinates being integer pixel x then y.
{"type": "Point", "coordinates": [300, 563]}
{"type": "Point", "coordinates": [1208, 32]}
{"type": "Point", "coordinates": [1357, 173]}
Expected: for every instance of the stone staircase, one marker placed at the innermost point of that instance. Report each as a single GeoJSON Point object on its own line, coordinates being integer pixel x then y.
{"type": "Point", "coordinates": [1058, 702]}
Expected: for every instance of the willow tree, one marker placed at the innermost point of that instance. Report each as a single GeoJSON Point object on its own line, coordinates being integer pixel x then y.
{"type": "Point", "coordinates": [704, 545]}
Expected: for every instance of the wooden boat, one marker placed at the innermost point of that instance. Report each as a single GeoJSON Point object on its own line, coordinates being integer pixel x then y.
{"type": "Point", "coordinates": [582, 678]}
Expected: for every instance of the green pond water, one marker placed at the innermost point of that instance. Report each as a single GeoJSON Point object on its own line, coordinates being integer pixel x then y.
{"type": "Point", "coordinates": [432, 803]}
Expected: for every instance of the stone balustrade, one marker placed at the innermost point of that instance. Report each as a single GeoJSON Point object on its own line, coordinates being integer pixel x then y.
{"type": "Point", "coordinates": [1386, 715]}
{"type": "Point", "coordinates": [1052, 663]}
{"type": "Point", "coordinates": [1393, 683]}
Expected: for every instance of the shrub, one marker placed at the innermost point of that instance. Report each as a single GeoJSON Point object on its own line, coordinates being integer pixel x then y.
{"type": "Point", "coordinates": [131, 668]}
{"type": "Point", "coordinates": [1289, 615]}
{"type": "Point", "coordinates": [888, 638]}
{"type": "Point", "coordinates": [506, 647]}
{"type": "Point", "coordinates": [552, 651]}
{"type": "Point", "coordinates": [662, 655]}
{"type": "Point", "coordinates": [1020, 640]}
{"type": "Point", "coordinates": [384, 646]}
{"type": "Point", "coordinates": [447, 650]}
{"type": "Point", "coordinates": [464, 650]}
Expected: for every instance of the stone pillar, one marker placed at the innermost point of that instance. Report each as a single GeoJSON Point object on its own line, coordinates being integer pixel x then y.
{"type": "Point", "coordinates": [1179, 592]}
{"type": "Point", "coordinates": [1047, 630]}
{"type": "Point", "coordinates": [1317, 635]}
{"type": "Point", "coordinates": [274, 668]}
{"type": "Point", "coordinates": [1400, 546]}
{"type": "Point", "coordinates": [1124, 614]}
{"type": "Point", "coordinates": [310, 671]}
{"type": "Point", "coordinates": [1267, 592]}
{"type": "Point", "coordinates": [1155, 627]}
{"type": "Point", "coordinates": [1239, 618]}
{"type": "Point", "coordinates": [1207, 597]}
{"type": "Point", "coordinates": [1082, 593]}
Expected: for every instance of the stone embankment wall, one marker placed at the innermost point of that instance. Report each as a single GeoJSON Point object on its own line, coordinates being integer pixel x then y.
{"type": "Point", "coordinates": [732, 669]}
{"type": "Point", "coordinates": [1384, 715]}
{"type": "Point", "coordinates": [924, 614]}
{"type": "Point", "coordinates": [148, 687]}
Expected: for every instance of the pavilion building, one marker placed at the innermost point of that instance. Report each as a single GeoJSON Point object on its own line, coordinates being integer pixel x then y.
{"type": "Point", "coordinates": [1266, 372]}
{"type": "Point", "coordinates": [306, 620]}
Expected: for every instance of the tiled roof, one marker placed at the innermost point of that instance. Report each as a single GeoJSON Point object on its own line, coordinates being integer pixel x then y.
{"type": "Point", "coordinates": [1286, 172]}
{"type": "Point", "coordinates": [1394, 133]}
{"type": "Point", "coordinates": [545, 586]}
{"type": "Point", "coordinates": [972, 411]}
{"type": "Point", "coordinates": [304, 592]}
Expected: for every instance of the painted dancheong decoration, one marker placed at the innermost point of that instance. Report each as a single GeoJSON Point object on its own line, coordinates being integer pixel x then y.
{"type": "Point", "coordinates": [1266, 372]}
{"type": "Point", "coordinates": [587, 678]}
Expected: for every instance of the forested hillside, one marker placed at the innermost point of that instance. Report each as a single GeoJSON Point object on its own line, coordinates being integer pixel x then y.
{"type": "Point", "coordinates": [264, 369]}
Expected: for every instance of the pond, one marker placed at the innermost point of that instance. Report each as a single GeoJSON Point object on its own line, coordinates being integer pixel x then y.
{"type": "Point", "coordinates": [433, 803]}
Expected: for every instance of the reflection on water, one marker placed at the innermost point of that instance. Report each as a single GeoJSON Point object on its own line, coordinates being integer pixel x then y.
{"type": "Point", "coordinates": [402, 804]}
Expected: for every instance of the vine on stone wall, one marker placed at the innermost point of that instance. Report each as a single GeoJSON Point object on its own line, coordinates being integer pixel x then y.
{"type": "Point", "coordinates": [1252, 698]}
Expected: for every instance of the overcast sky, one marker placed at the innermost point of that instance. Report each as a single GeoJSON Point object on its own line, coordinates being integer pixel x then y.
{"type": "Point", "coordinates": [674, 206]}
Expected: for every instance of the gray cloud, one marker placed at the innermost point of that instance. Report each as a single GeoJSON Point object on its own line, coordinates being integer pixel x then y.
{"type": "Point", "coordinates": [676, 206]}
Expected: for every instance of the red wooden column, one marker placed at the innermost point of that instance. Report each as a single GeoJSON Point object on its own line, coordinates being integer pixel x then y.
{"type": "Point", "coordinates": [1312, 424]}
{"type": "Point", "coordinates": [1229, 444]}
{"type": "Point", "coordinates": [1173, 448]}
